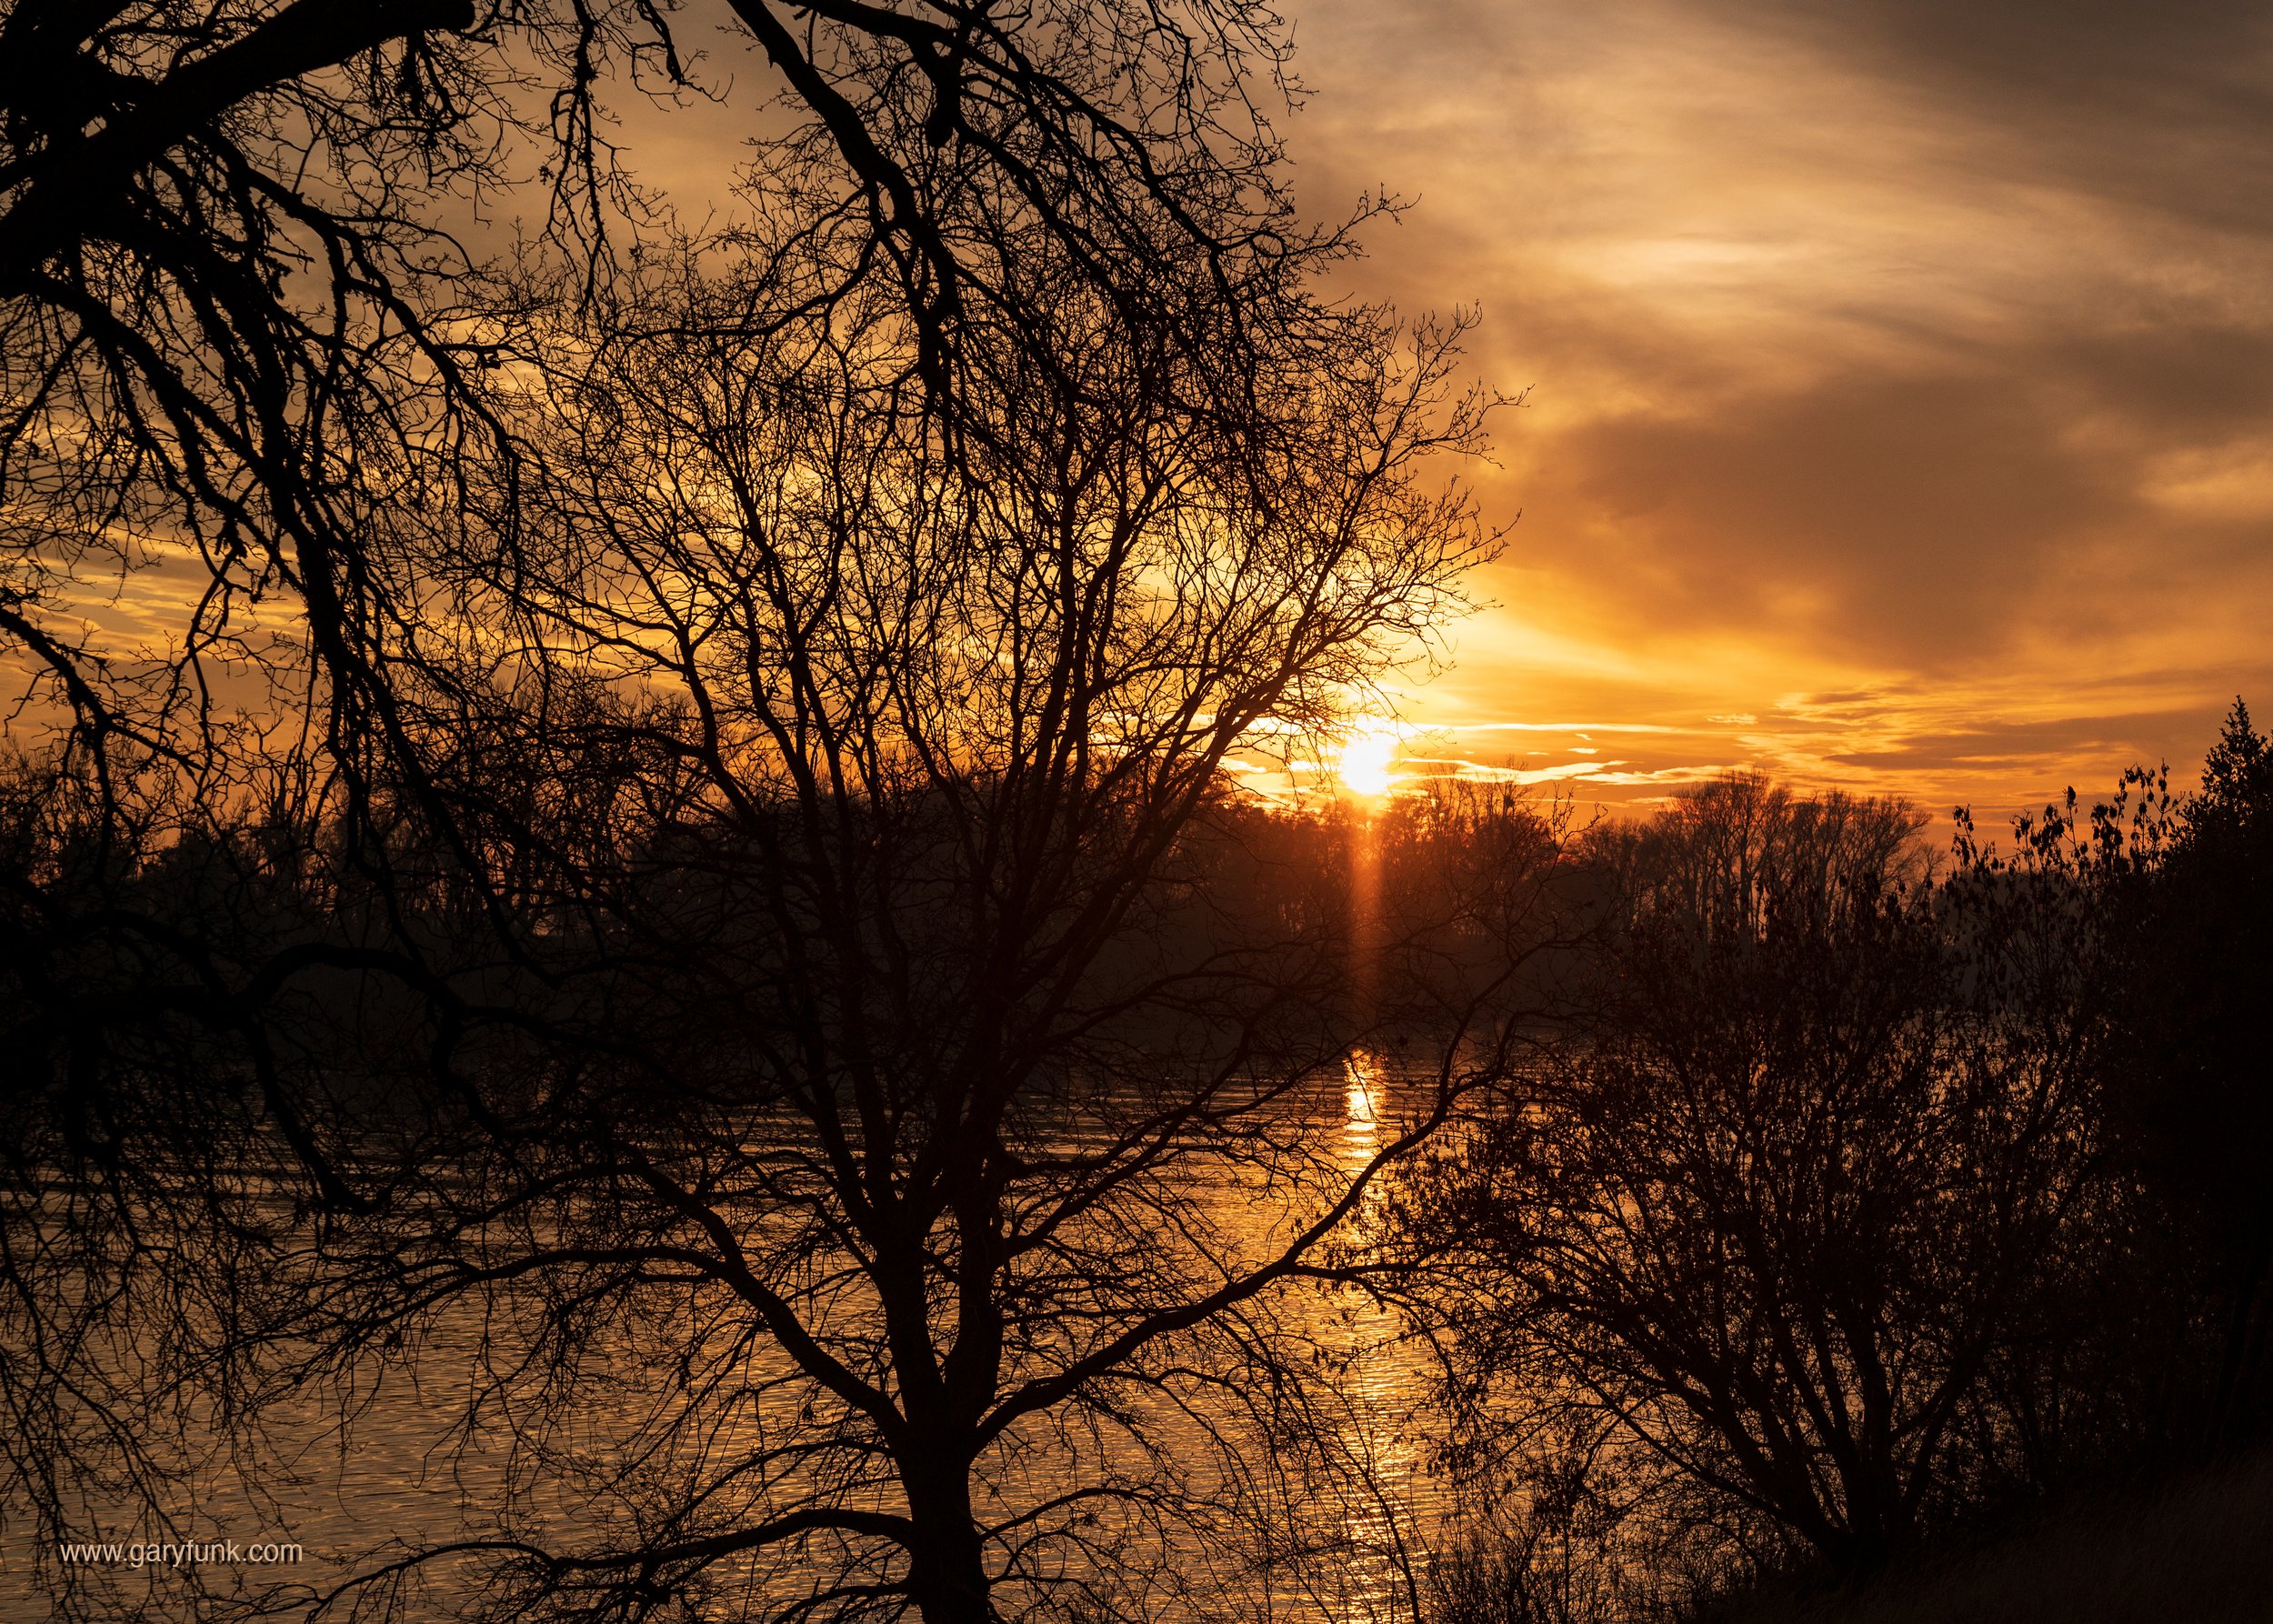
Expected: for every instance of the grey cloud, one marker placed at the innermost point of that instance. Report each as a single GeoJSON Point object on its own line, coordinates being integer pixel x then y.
{"type": "Point", "coordinates": [1924, 517]}
{"type": "Point", "coordinates": [2174, 385]}
{"type": "Point", "coordinates": [2168, 107]}
{"type": "Point", "coordinates": [2138, 736]}
{"type": "Point", "coordinates": [1915, 512]}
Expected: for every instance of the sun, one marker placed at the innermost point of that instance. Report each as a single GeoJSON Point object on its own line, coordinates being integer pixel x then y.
{"type": "Point", "coordinates": [1366, 761]}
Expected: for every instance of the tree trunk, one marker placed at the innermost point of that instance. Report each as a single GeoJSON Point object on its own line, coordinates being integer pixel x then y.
{"type": "Point", "coordinates": [946, 1573]}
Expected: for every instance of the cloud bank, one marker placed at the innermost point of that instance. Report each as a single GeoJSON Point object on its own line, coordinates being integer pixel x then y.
{"type": "Point", "coordinates": [1902, 373]}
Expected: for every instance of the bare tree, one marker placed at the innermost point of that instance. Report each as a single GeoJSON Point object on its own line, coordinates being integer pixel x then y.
{"type": "Point", "coordinates": [249, 291]}
{"type": "Point", "coordinates": [921, 721]}
{"type": "Point", "coordinates": [243, 284]}
{"type": "Point", "coordinates": [1769, 1226]}
{"type": "Point", "coordinates": [239, 335]}
{"type": "Point", "coordinates": [785, 805]}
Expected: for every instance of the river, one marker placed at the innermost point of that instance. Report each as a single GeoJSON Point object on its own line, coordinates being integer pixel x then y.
{"type": "Point", "coordinates": [1327, 1529]}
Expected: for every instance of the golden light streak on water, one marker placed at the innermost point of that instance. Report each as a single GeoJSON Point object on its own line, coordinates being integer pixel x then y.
{"type": "Point", "coordinates": [1362, 1090]}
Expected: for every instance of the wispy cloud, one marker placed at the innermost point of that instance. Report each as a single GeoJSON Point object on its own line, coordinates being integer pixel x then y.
{"type": "Point", "coordinates": [1902, 407]}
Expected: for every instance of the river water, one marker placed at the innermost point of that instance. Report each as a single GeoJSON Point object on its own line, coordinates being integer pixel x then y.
{"type": "Point", "coordinates": [1331, 1529]}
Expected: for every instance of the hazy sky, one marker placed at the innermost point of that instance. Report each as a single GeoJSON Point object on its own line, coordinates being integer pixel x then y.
{"type": "Point", "coordinates": [1901, 374]}
{"type": "Point", "coordinates": [1900, 371]}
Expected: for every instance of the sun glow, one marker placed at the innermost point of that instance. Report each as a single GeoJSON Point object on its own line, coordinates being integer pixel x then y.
{"type": "Point", "coordinates": [1366, 762]}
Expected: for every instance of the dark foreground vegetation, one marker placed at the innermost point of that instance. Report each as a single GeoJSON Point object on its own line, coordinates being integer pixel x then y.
{"type": "Point", "coordinates": [2190, 1548]}
{"type": "Point", "coordinates": [1798, 1211]}
{"type": "Point", "coordinates": [1865, 1211]}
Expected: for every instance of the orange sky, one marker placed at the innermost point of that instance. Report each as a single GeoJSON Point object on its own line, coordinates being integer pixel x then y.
{"type": "Point", "coordinates": [1901, 375]}
{"type": "Point", "coordinates": [1901, 371]}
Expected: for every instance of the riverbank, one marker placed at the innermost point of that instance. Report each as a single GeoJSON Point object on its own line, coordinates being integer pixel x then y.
{"type": "Point", "coordinates": [2199, 1552]}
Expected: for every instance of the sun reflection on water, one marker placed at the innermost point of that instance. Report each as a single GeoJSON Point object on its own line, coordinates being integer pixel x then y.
{"type": "Point", "coordinates": [1362, 1074]}
{"type": "Point", "coordinates": [1362, 1090]}
{"type": "Point", "coordinates": [1382, 1505]}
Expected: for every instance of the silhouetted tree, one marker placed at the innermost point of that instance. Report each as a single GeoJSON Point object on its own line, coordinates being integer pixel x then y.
{"type": "Point", "coordinates": [828, 1043]}
{"type": "Point", "coordinates": [1761, 1230]}
{"type": "Point", "coordinates": [1016, 472]}
{"type": "Point", "coordinates": [245, 302]}
{"type": "Point", "coordinates": [2191, 1077]}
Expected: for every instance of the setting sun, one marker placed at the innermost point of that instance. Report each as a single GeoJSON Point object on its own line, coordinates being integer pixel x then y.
{"type": "Point", "coordinates": [1367, 760]}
